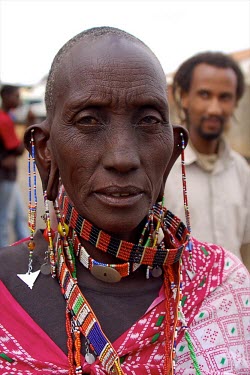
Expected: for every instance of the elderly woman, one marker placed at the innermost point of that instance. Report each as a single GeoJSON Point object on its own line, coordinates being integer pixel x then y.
{"type": "Point", "coordinates": [131, 291]}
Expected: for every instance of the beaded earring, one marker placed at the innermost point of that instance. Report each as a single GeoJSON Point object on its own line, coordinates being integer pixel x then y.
{"type": "Point", "coordinates": [30, 277]}
{"type": "Point", "coordinates": [49, 260]}
{"type": "Point", "coordinates": [184, 183]}
{"type": "Point", "coordinates": [190, 272]}
{"type": "Point", "coordinates": [155, 234]}
{"type": "Point", "coordinates": [63, 242]}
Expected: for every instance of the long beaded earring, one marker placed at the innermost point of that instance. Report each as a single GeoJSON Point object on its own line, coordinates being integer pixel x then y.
{"type": "Point", "coordinates": [190, 272]}
{"type": "Point", "coordinates": [63, 231]}
{"type": "Point", "coordinates": [184, 183]}
{"type": "Point", "coordinates": [155, 234]}
{"type": "Point", "coordinates": [30, 277]}
{"type": "Point", "coordinates": [49, 260]}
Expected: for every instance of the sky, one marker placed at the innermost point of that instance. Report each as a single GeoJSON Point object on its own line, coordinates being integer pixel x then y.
{"type": "Point", "coordinates": [32, 31]}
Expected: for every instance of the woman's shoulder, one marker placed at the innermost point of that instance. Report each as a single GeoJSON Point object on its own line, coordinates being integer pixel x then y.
{"type": "Point", "coordinates": [12, 257]}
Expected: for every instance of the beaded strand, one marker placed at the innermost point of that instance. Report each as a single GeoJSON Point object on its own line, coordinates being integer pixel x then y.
{"type": "Point", "coordinates": [48, 235]}
{"type": "Point", "coordinates": [147, 255]}
{"type": "Point", "coordinates": [80, 317]}
{"type": "Point", "coordinates": [124, 269]}
{"type": "Point", "coordinates": [32, 207]}
{"type": "Point", "coordinates": [185, 199]}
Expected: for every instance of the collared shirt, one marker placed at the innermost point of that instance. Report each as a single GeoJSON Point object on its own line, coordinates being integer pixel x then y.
{"type": "Point", "coordinates": [218, 200]}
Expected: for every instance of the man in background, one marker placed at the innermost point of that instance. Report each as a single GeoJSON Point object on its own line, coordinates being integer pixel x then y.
{"type": "Point", "coordinates": [10, 148]}
{"type": "Point", "coordinates": [206, 89]}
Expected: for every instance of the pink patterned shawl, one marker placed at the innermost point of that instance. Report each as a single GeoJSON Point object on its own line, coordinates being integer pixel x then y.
{"type": "Point", "coordinates": [216, 304]}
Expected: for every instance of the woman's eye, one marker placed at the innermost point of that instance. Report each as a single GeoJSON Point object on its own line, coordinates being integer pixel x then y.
{"type": "Point", "coordinates": [87, 120]}
{"type": "Point", "coordinates": [149, 120]}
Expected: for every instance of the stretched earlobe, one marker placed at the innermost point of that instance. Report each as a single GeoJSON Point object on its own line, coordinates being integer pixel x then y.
{"type": "Point", "coordinates": [177, 149]}
{"type": "Point", "coordinates": [45, 163]}
{"type": "Point", "coordinates": [179, 134]}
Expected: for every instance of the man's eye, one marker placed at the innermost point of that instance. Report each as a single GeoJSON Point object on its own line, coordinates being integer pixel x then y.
{"type": "Point", "coordinates": [87, 120]}
{"type": "Point", "coordinates": [149, 120]}
{"type": "Point", "coordinates": [204, 94]}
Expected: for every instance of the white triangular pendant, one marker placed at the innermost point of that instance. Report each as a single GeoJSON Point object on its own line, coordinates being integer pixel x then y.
{"type": "Point", "coordinates": [29, 278]}
{"type": "Point", "coordinates": [191, 274]}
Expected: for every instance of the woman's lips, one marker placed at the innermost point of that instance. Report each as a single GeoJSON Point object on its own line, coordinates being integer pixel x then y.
{"type": "Point", "coordinates": [119, 197]}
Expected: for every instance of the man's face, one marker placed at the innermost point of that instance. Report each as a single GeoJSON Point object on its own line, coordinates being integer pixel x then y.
{"type": "Point", "coordinates": [210, 101]}
{"type": "Point", "coordinates": [110, 136]}
{"type": "Point", "coordinates": [12, 100]}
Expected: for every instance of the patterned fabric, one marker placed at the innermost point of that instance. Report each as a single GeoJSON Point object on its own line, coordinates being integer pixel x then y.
{"type": "Point", "coordinates": [216, 304]}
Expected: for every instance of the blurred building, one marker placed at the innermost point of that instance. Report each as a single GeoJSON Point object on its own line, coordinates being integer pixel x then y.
{"type": "Point", "coordinates": [32, 99]}
{"type": "Point", "coordinates": [238, 132]}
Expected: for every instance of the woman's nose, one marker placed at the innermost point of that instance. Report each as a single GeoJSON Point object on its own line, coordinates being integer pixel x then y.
{"type": "Point", "coordinates": [121, 152]}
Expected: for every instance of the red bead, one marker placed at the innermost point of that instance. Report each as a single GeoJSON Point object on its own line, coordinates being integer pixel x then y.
{"type": "Point", "coordinates": [46, 234]}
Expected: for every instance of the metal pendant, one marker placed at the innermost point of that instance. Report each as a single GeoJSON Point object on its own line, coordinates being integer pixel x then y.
{"type": "Point", "coordinates": [89, 358]}
{"type": "Point", "coordinates": [45, 269]}
{"type": "Point", "coordinates": [156, 271]}
{"type": "Point", "coordinates": [105, 273]}
{"type": "Point", "coordinates": [191, 274]}
{"type": "Point", "coordinates": [29, 278]}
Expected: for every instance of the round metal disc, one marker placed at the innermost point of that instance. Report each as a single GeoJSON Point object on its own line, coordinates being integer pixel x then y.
{"type": "Point", "coordinates": [156, 272]}
{"type": "Point", "coordinates": [45, 269]}
{"type": "Point", "coordinates": [105, 273]}
{"type": "Point", "coordinates": [90, 358]}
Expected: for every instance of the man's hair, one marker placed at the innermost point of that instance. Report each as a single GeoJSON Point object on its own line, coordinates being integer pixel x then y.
{"type": "Point", "coordinates": [92, 34]}
{"type": "Point", "coordinates": [8, 89]}
{"type": "Point", "coordinates": [183, 76]}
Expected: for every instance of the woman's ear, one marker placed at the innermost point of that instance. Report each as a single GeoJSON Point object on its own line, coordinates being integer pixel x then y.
{"type": "Point", "coordinates": [179, 133]}
{"type": "Point", "coordinates": [43, 156]}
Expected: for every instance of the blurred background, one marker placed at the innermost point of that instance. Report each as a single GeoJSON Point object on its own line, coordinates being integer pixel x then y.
{"type": "Point", "coordinates": [31, 33]}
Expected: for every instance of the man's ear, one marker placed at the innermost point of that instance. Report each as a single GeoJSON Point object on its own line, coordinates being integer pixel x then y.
{"type": "Point", "coordinates": [43, 156]}
{"type": "Point", "coordinates": [184, 98]}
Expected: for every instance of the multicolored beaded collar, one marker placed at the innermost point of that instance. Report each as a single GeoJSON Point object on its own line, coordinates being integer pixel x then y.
{"type": "Point", "coordinates": [127, 251]}
{"type": "Point", "coordinates": [80, 318]}
{"type": "Point", "coordinates": [102, 271]}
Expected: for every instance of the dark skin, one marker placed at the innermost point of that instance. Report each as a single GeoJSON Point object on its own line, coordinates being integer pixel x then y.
{"type": "Point", "coordinates": [110, 141]}
{"type": "Point", "coordinates": [209, 104]}
{"type": "Point", "coordinates": [112, 117]}
{"type": "Point", "coordinates": [110, 128]}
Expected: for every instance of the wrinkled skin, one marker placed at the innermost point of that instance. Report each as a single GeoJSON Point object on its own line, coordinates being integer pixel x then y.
{"type": "Point", "coordinates": [210, 102]}
{"type": "Point", "coordinates": [109, 136]}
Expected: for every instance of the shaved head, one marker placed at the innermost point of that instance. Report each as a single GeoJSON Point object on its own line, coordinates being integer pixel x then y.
{"type": "Point", "coordinates": [90, 35]}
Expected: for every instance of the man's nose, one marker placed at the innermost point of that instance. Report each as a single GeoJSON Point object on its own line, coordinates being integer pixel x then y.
{"type": "Point", "coordinates": [215, 107]}
{"type": "Point", "coordinates": [121, 152]}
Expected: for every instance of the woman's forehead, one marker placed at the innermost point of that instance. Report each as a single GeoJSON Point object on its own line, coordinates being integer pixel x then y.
{"type": "Point", "coordinates": [112, 70]}
{"type": "Point", "coordinates": [110, 56]}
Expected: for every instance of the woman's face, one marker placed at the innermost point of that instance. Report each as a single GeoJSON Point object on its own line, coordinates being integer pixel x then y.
{"type": "Point", "coordinates": [110, 134]}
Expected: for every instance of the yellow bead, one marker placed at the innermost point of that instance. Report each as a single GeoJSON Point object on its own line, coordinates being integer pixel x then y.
{"type": "Point", "coordinates": [61, 231]}
{"type": "Point", "coordinates": [31, 245]}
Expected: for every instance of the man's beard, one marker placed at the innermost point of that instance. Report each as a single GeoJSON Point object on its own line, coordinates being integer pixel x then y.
{"type": "Point", "coordinates": [209, 136]}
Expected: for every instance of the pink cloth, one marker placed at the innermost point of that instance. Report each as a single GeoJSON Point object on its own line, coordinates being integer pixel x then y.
{"type": "Point", "coordinates": [216, 305]}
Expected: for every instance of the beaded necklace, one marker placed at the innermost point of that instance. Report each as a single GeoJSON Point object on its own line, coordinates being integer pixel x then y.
{"type": "Point", "coordinates": [102, 271]}
{"type": "Point", "coordinates": [80, 318]}
{"type": "Point", "coordinates": [128, 251]}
